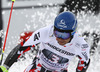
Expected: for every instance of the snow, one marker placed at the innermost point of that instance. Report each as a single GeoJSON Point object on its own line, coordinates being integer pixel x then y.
{"type": "Point", "coordinates": [33, 19]}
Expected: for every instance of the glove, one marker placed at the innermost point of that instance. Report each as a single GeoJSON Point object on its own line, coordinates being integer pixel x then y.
{"type": "Point", "coordinates": [3, 69]}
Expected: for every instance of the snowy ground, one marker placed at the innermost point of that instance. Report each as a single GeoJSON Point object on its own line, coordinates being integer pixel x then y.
{"type": "Point", "coordinates": [33, 19]}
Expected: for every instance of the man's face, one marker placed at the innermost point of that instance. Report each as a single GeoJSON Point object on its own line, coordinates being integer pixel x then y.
{"type": "Point", "coordinates": [62, 41]}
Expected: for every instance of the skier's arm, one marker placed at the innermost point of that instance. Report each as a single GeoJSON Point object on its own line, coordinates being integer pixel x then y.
{"type": "Point", "coordinates": [23, 47]}
{"type": "Point", "coordinates": [15, 54]}
{"type": "Point", "coordinates": [82, 65]}
{"type": "Point", "coordinates": [84, 59]}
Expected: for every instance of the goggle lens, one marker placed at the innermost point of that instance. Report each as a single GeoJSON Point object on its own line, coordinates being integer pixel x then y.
{"type": "Point", "coordinates": [62, 35]}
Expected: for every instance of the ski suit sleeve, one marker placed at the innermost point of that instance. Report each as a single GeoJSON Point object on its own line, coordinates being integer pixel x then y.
{"type": "Point", "coordinates": [21, 48]}
{"type": "Point", "coordinates": [83, 56]}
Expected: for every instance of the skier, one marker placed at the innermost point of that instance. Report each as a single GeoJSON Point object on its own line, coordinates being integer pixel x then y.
{"type": "Point", "coordinates": [58, 45]}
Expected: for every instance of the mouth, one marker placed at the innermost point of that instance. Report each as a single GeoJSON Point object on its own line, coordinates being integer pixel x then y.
{"type": "Point", "coordinates": [61, 43]}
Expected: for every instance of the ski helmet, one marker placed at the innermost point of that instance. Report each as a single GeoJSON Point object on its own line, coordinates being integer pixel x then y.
{"type": "Point", "coordinates": [66, 21]}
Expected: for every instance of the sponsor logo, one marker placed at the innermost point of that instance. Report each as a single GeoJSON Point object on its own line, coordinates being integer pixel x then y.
{"type": "Point", "coordinates": [37, 36]}
{"type": "Point", "coordinates": [60, 50]}
{"type": "Point", "coordinates": [62, 24]}
{"type": "Point", "coordinates": [50, 63]}
{"type": "Point", "coordinates": [84, 46]}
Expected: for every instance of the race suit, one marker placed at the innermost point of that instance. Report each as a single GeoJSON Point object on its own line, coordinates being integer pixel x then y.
{"type": "Point", "coordinates": [51, 56]}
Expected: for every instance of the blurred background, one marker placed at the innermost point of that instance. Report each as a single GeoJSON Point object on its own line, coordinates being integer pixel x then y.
{"type": "Point", "coordinates": [30, 15]}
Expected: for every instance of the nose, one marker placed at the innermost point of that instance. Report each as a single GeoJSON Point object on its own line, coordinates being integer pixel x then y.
{"type": "Point", "coordinates": [59, 39]}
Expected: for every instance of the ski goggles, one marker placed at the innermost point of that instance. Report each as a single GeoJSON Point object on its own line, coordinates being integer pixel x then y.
{"type": "Point", "coordinates": [63, 35]}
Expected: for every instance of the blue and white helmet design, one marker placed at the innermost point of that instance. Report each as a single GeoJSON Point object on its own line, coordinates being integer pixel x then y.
{"type": "Point", "coordinates": [66, 21]}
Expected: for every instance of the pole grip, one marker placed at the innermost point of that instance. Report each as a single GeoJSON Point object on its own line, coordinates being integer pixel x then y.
{"type": "Point", "coordinates": [13, 0]}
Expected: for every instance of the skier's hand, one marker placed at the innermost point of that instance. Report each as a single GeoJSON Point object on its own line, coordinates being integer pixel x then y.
{"type": "Point", "coordinates": [3, 69]}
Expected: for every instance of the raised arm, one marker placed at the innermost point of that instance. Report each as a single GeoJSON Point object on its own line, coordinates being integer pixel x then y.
{"type": "Point", "coordinates": [21, 48]}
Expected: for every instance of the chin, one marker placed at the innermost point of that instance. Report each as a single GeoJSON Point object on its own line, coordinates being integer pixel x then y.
{"type": "Point", "coordinates": [61, 44]}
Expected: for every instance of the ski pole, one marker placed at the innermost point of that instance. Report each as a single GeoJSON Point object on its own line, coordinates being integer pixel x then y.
{"type": "Point", "coordinates": [6, 32]}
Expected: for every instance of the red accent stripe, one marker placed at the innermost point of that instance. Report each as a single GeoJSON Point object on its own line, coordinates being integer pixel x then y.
{"type": "Point", "coordinates": [26, 50]}
{"type": "Point", "coordinates": [27, 34]}
{"type": "Point", "coordinates": [33, 70]}
{"type": "Point", "coordinates": [39, 65]}
{"type": "Point", "coordinates": [33, 46]}
{"type": "Point", "coordinates": [82, 62]}
{"type": "Point", "coordinates": [19, 55]}
{"type": "Point", "coordinates": [21, 43]}
{"type": "Point", "coordinates": [80, 68]}
{"type": "Point", "coordinates": [25, 37]}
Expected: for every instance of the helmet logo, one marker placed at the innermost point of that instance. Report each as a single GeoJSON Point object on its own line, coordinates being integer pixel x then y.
{"type": "Point", "coordinates": [62, 24]}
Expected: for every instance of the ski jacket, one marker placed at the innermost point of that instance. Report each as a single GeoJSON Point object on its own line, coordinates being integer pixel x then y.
{"type": "Point", "coordinates": [51, 55]}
